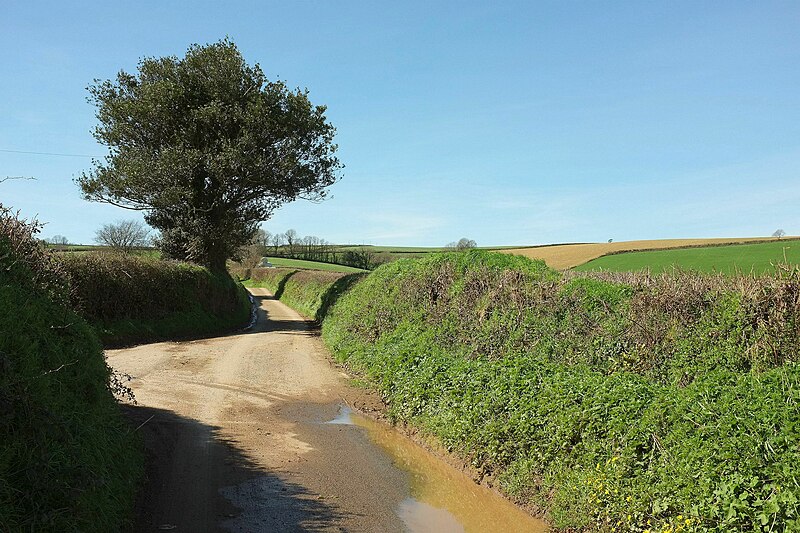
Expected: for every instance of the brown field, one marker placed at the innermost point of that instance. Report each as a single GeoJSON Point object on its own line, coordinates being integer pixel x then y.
{"type": "Point", "coordinates": [564, 256]}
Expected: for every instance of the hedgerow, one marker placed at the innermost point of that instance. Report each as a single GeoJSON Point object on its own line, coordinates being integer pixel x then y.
{"type": "Point", "coordinates": [67, 459]}
{"type": "Point", "coordinates": [136, 299]}
{"type": "Point", "coordinates": [610, 402]}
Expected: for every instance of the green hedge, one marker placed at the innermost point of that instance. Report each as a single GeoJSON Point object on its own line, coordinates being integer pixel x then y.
{"type": "Point", "coordinates": [67, 460]}
{"type": "Point", "coordinates": [627, 403]}
{"type": "Point", "coordinates": [136, 299]}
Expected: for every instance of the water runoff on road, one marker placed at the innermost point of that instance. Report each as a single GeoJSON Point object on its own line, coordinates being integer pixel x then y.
{"type": "Point", "coordinates": [442, 498]}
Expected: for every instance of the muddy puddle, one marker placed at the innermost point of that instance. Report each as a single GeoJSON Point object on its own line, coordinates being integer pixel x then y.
{"type": "Point", "coordinates": [442, 499]}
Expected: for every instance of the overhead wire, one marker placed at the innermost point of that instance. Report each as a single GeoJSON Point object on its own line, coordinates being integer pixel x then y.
{"type": "Point", "coordinates": [47, 153]}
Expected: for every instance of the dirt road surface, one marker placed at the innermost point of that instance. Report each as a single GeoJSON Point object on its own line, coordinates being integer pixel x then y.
{"type": "Point", "coordinates": [236, 434]}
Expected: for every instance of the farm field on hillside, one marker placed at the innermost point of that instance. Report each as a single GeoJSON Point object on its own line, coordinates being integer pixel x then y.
{"type": "Point", "coordinates": [385, 254]}
{"type": "Point", "coordinates": [564, 256]}
{"type": "Point", "coordinates": [315, 265]}
{"type": "Point", "coordinates": [745, 258]}
{"type": "Point", "coordinates": [390, 249]}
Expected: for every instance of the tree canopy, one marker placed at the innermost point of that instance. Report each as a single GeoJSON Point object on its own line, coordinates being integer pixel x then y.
{"type": "Point", "coordinates": [462, 244]}
{"type": "Point", "coordinates": [208, 148]}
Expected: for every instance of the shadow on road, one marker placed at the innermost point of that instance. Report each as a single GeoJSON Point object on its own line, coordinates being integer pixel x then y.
{"type": "Point", "coordinates": [267, 324]}
{"type": "Point", "coordinates": [198, 480]}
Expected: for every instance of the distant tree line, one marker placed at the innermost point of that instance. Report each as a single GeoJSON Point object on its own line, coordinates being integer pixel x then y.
{"type": "Point", "coordinates": [291, 245]}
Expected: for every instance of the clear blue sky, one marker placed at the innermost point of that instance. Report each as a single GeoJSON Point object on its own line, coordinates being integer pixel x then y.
{"type": "Point", "coordinates": [520, 123]}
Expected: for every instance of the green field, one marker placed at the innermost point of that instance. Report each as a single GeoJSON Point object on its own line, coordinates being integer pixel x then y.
{"type": "Point", "coordinates": [415, 249]}
{"type": "Point", "coordinates": [390, 249]}
{"type": "Point", "coordinates": [744, 258]}
{"type": "Point", "coordinates": [313, 265]}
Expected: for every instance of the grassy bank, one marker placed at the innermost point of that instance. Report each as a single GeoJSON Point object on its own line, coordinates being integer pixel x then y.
{"type": "Point", "coordinates": [131, 299]}
{"type": "Point", "coordinates": [758, 259]}
{"type": "Point", "coordinates": [67, 460]}
{"type": "Point", "coordinates": [627, 403]}
{"type": "Point", "coordinates": [309, 292]}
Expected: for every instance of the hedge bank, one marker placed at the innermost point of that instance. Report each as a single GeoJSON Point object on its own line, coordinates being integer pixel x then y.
{"type": "Point", "coordinates": [311, 292]}
{"type": "Point", "coordinates": [139, 299]}
{"type": "Point", "coordinates": [67, 460]}
{"type": "Point", "coordinates": [613, 402]}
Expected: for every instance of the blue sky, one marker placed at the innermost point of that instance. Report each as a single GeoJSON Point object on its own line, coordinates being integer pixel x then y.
{"type": "Point", "coordinates": [518, 123]}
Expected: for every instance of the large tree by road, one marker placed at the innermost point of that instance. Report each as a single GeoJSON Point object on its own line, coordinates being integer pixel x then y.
{"type": "Point", "coordinates": [209, 148]}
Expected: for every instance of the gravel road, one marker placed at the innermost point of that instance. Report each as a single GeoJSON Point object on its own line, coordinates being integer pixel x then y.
{"type": "Point", "coordinates": [235, 433]}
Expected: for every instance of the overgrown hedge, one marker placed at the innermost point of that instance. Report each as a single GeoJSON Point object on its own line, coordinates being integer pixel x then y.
{"type": "Point", "coordinates": [309, 292]}
{"type": "Point", "coordinates": [624, 403]}
{"type": "Point", "coordinates": [67, 460]}
{"type": "Point", "coordinates": [137, 299]}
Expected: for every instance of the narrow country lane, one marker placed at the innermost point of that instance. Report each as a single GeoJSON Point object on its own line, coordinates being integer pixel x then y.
{"type": "Point", "coordinates": [237, 441]}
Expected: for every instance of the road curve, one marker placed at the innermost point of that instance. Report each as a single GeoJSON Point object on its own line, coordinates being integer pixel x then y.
{"type": "Point", "coordinates": [234, 428]}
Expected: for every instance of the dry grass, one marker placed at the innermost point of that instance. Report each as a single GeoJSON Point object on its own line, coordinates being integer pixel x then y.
{"type": "Point", "coordinates": [564, 256]}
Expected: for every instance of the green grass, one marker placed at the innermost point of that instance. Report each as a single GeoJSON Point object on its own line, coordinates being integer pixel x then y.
{"type": "Point", "coordinates": [419, 249]}
{"type": "Point", "coordinates": [744, 258]}
{"type": "Point", "coordinates": [282, 262]}
{"type": "Point", "coordinates": [390, 249]}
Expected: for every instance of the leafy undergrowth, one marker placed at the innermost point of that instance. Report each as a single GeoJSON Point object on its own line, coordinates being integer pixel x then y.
{"type": "Point", "coordinates": [610, 402]}
{"type": "Point", "coordinates": [67, 460]}
{"type": "Point", "coordinates": [131, 299]}
{"type": "Point", "coordinates": [309, 292]}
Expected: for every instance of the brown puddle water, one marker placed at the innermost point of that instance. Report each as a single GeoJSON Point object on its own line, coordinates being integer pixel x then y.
{"type": "Point", "coordinates": [443, 499]}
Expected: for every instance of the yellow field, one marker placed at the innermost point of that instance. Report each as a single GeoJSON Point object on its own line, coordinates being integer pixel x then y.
{"type": "Point", "coordinates": [564, 256]}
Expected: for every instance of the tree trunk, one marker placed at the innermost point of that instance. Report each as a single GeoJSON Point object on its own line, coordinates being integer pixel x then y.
{"type": "Point", "coordinates": [217, 263]}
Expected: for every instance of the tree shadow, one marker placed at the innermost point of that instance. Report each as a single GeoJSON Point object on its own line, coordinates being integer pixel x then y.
{"type": "Point", "coordinates": [339, 287]}
{"type": "Point", "coordinates": [265, 324]}
{"type": "Point", "coordinates": [282, 284]}
{"type": "Point", "coordinates": [197, 480]}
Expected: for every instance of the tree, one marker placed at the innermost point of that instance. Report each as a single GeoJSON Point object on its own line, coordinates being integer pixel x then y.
{"type": "Point", "coordinates": [462, 244]}
{"type": "Point", "coordinates": [249, 256]}
{"type": "Point", "coordinates": [58, 239]}
{"type": "Point", "coordinates": [262, 237]}
{"type": "Point", "coordinates": [359, 258]}
{"type": "Point", "coordinates": [291, 240]}
{"type": "Point", "coordinates": [208, 148]}
{"type": "Point", "coordinates": [277, 241]}
{"type": "Point", "coordinates": [123, 235]}
{"type": "Point", "coordinates": [779, 233]}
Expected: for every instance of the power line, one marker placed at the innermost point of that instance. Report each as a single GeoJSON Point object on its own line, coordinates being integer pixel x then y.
{"type": "Point", "coordinates": [47, 153]}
